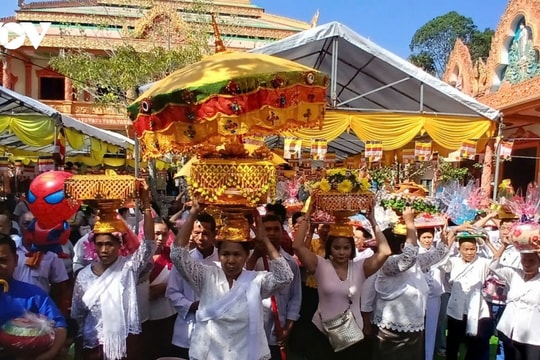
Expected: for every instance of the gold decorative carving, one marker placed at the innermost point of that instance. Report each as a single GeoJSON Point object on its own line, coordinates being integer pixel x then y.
{"type": "Point", "coordinates": [155, 20]}
{"type": "Point", "coordinates": [511, 95]}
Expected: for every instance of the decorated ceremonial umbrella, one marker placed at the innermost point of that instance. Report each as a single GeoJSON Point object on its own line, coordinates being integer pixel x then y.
{"type": "Point", "coordinates": [227, 94]}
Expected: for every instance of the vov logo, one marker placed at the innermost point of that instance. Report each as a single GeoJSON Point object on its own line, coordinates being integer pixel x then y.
{"type": "Point", "coordinates": [13, 35]}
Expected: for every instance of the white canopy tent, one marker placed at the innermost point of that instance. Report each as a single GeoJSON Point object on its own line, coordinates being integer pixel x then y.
{"type": "Point", "coordinates": [365, 78]}
{"type": "Point", "coordinates": [30, 126]}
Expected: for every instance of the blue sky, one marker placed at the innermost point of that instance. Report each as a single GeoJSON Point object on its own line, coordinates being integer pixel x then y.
{"type": "Point", "coordinates": [389, 23]}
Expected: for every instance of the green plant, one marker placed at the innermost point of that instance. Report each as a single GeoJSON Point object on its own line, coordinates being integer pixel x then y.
{"type": "Point", "coordinates": [447, 172]}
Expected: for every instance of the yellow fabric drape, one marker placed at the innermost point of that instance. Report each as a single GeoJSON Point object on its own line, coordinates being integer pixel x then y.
{"type": "Point", "coordinates": [450, 133]}
{"type": "Point", "coordinates": [392, 129]}
{"type": "Point", "coordinates": [74, 138]}
{"type": "Point", "coordinates": [397, 130]}
{"type": "Point", "coordinates": [97, 149]}
{"type": "Point", "coordinates": [30, 129]}
{"type": "Point", "coordinates": [333, 125]}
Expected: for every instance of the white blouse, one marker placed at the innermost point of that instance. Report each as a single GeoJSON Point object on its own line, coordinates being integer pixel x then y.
{"type": "Point", "coordinates": [402, 289]}
{"type": "Point", "coordinates": [226, 336]}
{"type": "Point", "coordinates": [521, 317]}
{"type": "Point", "coordinates": [467, 280]}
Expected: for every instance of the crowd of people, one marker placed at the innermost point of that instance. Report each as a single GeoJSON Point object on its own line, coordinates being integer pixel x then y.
{"type": "Point", "coordinates": [291, 289]}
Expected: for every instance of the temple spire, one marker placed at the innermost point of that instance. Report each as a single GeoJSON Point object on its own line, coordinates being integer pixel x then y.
{"type": "Point", "coordinates": [218, 42]}
{"type": "Point", "coordinates": [315, 19]}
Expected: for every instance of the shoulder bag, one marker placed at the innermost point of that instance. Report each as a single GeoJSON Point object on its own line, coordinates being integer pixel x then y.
{"type": "Point", "coordinates": [342, 330]}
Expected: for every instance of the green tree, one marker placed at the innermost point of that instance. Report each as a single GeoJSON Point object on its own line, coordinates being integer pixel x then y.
{"type": "Point", "coordinates": [437, 37]}
{"type": "Point", "coordinates": [481, 44]}
{"type": "Point", "coordinates": [112, 77]}
{"type": "Point", "coordinates": [424, 61]}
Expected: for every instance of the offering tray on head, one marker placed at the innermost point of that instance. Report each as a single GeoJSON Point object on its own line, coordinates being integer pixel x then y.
{"type": "Point", "coordinates": [230, 177]}
{"type": "Point", "coordinates": [236, 225]}
{"type": "Point", "coordinates": [427, 220]}
{"type": "Point", "coordinates": [526, 236]}
{"type": "Point", "coordinates": [335, 201]}
{"type": "Point", "coordinates": [96, 187]}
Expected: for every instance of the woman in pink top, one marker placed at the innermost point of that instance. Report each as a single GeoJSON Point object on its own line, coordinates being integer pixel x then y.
{"type": "Point", "coordinates": [338, 287]}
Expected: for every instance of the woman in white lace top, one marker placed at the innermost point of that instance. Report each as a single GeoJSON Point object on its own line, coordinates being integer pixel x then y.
{"type": "Point", "coordinates": [402, 292]}
{"type": "Point", "coordinates": [518, 326]}
{"type": "Point", "coordinates": [230, 314]}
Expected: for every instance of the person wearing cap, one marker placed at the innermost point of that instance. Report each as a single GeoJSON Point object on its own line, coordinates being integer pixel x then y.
{"type": "Point", "coordinates": [339, 281]}
{"type": "Point", "coordinates": [105, 302]}
{"type": "Point", "coordinates": [518, 326]}
{"type": "Point", "coordinates": [402, 292]}
{"type": "Point", "coordinates": [468, 314]}
{"type": "Point", "coordinates": [230, 312]}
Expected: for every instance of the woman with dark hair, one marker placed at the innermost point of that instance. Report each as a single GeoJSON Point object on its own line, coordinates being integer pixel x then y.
{"type": "Point", "coordinates": [230, 311]}
{"type": "Point", "coordinates": [433, 275]}
{"type": "Point", "coordinates": [158, 331]}
{"type": "Point", "coordinates": [518, 326]}
{"type": "Point", "coordinates": [402, 294]}
{"type": "Point", "coordinates": [339, 280]}
{"type": "Point", "coordinates": [105, 294]}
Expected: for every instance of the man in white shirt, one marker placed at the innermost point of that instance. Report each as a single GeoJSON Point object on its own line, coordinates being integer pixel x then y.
{"type": "Point", "coordinates": [179, 291]}
{"type": "Point", "coordinates": [287, 301]}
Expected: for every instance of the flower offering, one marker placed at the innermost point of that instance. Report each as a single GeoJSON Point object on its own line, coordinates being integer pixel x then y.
{"type": "Point", "coordinates": [343, 189]}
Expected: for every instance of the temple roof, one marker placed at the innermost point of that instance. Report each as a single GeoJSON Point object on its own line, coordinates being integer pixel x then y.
{"type": "Point", "coordinates": [228, 12]}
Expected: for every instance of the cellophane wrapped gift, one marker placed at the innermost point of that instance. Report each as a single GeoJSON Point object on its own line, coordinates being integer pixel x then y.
{"type": "Point", "coordinates": [28, 335]}
{"type": "Point", "coordinates": [291, 203]}
{"type": "Point", "coordinates": [525, 234]}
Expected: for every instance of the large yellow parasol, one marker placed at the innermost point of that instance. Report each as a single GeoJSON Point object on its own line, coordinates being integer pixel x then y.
{"type": "Point", "coordinates": [227, 94]}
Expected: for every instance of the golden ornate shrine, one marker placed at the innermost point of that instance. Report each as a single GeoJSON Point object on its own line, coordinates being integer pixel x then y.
{"type": "Point", "coordinates": [509, 81]}
{"type": "Point", "coordinates": [100, 25]}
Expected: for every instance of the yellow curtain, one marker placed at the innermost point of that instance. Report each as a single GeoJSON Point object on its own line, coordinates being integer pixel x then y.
{"type": "Point", "coordinates": [97, 149]}
{"type": "Point", "coordinates": [450, 132]}
{"type": "Point", "coordinates": [397, 130]}
{"type": "Point", "coordinates": [33, 130]}
{"type": "Point", "coordinates": [74, 138]}
{"type": "Point", "coordinates": [392, 129]}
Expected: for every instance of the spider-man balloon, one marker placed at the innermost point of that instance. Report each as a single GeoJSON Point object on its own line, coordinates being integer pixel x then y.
{"type": "Point", "coordinates": [51, 209]}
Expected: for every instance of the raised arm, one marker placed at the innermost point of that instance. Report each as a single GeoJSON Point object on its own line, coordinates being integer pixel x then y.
{"type": "Point", "coordinates": [308, 259]}
{"type": "Point", "coordinates": [182, 238]}
{"type": "Point", "coordinates": [148, 221]}
{"type": "Point", "coordinates": [407, 258]}
{"type": "Point", "coordinates": [375, 261]}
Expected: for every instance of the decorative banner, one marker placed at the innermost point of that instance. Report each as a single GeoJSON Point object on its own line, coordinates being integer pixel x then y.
{"type": "Point", "coordinates": [505, 149]}
{"type": "Point", "coordinates": [422, 150]}
{"type": "Point", "coordinates": [318, 149]}
{"type": "Point", "coordinates": [59, 151]}
{"type": "Point", "coordinates": [374, 151]}
{"type": "Point", "coordinates": [45, 163]}
{"type": "Point", "coordinates": [292, 148]}
{"type": "Point", "coordinates": [468, 149]}
{"type": "Point", "coordinates": [407, 156]}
